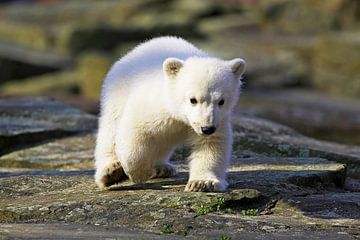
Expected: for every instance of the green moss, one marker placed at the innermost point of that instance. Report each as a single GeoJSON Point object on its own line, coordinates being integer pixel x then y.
{"type": "Point", "coordinates": [229, 210]}
{"type": "Point", "coordinates": [214, 206]}
{"type": "Point", "coordinates": [249, 212]}
{"type": "Point", "coordinates": [224, 237]}
{"type": "Point", "coordinates": [202, 210]}
{"type": "Point", "coordinates": [167, 229]}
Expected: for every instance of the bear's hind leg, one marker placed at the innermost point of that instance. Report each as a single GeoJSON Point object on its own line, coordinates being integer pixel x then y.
{"type": "Point", "coordinates": [143, 160]}
{"type": "Point", "coordinates": [108, 168]}
{"type": "Point", "coordinates": [136, 156]}
{"type": "Point", "coordinates": [110, 174]}
{"type": "Point", "coordinates": [164, 170]}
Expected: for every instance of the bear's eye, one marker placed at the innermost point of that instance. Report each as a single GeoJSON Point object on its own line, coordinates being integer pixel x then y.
{"type": "Point", "coordinates": [193, 101]}
{"type": "Point", "coordinates": [221, 102]}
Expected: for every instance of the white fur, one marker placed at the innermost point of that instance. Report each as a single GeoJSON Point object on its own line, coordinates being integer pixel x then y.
{"type": "Point", "coordinates": [146, 113]}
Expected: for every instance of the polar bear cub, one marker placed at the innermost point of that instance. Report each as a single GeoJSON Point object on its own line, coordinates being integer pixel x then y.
{"type": "Point", "coordinates": [162, 94]}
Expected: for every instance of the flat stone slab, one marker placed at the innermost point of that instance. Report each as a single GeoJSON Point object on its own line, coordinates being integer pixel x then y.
{"type": "Point", "coordinates": [286, 175]}
{"type": "Point", "coordinates": [77, 232]}
{"type": "Point", "coordinates": [273, 139]}
{"type": "Point", "coordinates": [74, 231]}
{"type": "Point", "coordinates": [25, 121]}
{"type": "Point", "coordinates": [333, 205]}
{"type": "Point", "coordinates": [155, 206]}
{"type": "Point", "coordinates": [75, 152]}
{"type": "Point", "coordinates": [337, 209]}
{"type": "Point", "coordinates": [256, 182]}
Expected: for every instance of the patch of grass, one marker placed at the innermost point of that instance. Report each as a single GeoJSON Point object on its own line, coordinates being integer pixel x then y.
{"type": "Point", "coordinates": [167, 229]}
{"type": "Point", "coordinates": [223, 237]}
{"type": "Point", "coordinates": [229, 210]}
{"type": "Point", "coordinates": [249, 212]}
{"type": "Point", "coordinates": [202, 210]}
{"type": "Point", "coordinates": [219, 203]}
{"type": "Point", "coordinates": [211, 207]}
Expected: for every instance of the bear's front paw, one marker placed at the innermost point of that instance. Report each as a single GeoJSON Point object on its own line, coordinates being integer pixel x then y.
{"type": "Point", "coordinates": [165, 170]}
{"type": "Point", "coordinates": [205, 186]}
{"type": "Point", "coordinates": [109, 175]}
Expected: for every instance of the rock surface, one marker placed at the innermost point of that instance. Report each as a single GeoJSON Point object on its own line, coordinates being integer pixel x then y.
{"type": "Point", "coordinates": [77, 232]}
{"type": "Point", "coordinates": [74, 231]}
{"type": "Point", "coordinates": [273, 139]}
{"type": "Point", "coordinates": [68, 153]}
{"type": "Point", "coordinates": [282, 185]}
{"type": "Point", "coordinates": [25, 121]}
{"type": "Point", "coordinates": [309, 112]}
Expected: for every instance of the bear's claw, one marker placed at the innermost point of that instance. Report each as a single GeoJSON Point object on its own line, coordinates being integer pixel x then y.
{"type": "Point", "coordinates": [204, 186]}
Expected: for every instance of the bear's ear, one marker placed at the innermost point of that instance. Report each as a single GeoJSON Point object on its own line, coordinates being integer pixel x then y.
{"type": "Point", "coordinates": [237, 66]}
{"type": "Point", "coordinates": [172, 66]}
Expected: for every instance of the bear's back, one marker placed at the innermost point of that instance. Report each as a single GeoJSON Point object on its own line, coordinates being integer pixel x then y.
{"type": "Point", "coordinates": [158, 49]}
{"type": "Point", "coordinates": [148, 57]}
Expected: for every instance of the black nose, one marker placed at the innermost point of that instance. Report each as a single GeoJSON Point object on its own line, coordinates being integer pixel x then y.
{"type": "Point", "coordinates": [208, 130]}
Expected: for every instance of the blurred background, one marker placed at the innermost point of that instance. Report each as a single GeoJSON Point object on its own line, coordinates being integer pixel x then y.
{"type": "Point", "coordinates": [303, 55]}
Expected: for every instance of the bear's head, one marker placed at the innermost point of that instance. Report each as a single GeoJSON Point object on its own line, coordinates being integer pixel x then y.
{"type": "Point", "coordinates": [202, 91]}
